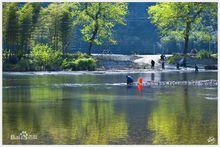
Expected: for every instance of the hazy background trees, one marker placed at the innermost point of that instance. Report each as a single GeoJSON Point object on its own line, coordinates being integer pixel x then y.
{"type": "Point", "coordinates": [36, 36]}
{"type": "Point", "coordinates": [27, 24]}
{"type": "Point", "coordinates": [10, 26]}
{"type": "Point", "coordinates": [55, 25]}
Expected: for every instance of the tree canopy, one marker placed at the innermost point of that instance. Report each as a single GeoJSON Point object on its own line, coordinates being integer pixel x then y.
{"type": "Point", "coordinates": [185, 20]}
{"type": "Point", "coordinates": [55, 25]}
{"type": "Point", "coordinates": [98, 20]}
{"type": "Point", "coordinates": [28, 24]}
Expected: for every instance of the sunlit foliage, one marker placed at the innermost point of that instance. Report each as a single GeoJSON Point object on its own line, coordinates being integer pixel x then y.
{"type": "Point", "coordinates": [185, 20]}
{"type": "Point", "coordinates": [98, 20]}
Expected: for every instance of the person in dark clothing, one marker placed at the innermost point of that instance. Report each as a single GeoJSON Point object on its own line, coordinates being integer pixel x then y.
{"type": "Point", "coordinates": [163, 65]}
{"type": "Point", "coordinates": [161, 57]}
{"type": "Point", "coordinates": [177, 65]}
{"type": "Point", "coordinates": [164, 57]}
{"type": "Point", "coordinates": [152, 63]}
{"type": "Point", "coordinates": [196, 68]}
{"type": "Point", "coordinates": [129, 80]}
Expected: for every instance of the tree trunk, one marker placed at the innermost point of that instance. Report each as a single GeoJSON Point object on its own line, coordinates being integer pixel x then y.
{"type": "Point", "coordinates": [93, 37]}
{"type": "Point", "coordinates": [90, 48]}
{"type": "Point", "coordinates": [96, 27]}
{"type": "Point", "coordinates": [186, 43]}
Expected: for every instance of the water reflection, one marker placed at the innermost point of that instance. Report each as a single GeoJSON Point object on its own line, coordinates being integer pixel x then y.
{"type": "Point", "coordinates": [152, 76]}
{"type": "Point", "coordinates": [162, 77]}
{"type": "Point", "coordinates": [56, 122]}
{"type": "Point", "coordinates": [108, 114]}
{"type": "Point", "coordinates": [181, 118]}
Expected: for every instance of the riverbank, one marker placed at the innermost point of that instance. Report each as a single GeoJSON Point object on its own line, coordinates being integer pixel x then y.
{"type": "Point", "coordinates": [109, 62]}
{"type": "Point", "coordinates": [126, 62]}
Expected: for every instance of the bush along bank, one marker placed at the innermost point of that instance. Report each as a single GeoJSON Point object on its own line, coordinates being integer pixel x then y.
{"type": "Point", "coordinates": [44, 58]}
{"type": "Point", "coordinates": [202, 58]}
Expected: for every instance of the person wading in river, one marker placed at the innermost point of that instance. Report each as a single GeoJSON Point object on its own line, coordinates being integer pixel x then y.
{"type": "Point", "coordinates": [163, 64]}
{"type": "Point", "coordinates": [152, 64]}
{"type": "Point", "coordinates": [196, 68]}
{"type": "Point", "coordinates": [129, 80]}
{"type": "Point", "coordinates": [177, 65]}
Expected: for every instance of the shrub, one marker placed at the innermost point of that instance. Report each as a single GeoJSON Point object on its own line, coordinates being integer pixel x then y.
{"type": "Point", "coordinates": [45, 57]}
{"type": "Point", "coordinates": [78, 61]}
{"type": "Point", "coordinates": [68, 56]}
{"type": "Point", "coordinates": [86, 64]}
{"type": "Point", "coordinates": [68, 64]}
{"type": "Point", "coordinates": [215, 56]}
{"type": "Point", "coordinates": [5, 55]}
{"type": "Point", "coordinates": [79, 55]}
{"type": "Point", "coordinates": [24, 64]}
{"type": "Point", "coordinates": [9, 57]}
{"type": "Point", "coordinates": [8, 66]}
{"type": "Point", "coordinates": [172, 59]}
{"type": "Point", "coordinates": [175, 57]}
{"type": "Point", "coordinates": [79, 64]}
{"type": "Point", "coordinates": [204, 54]}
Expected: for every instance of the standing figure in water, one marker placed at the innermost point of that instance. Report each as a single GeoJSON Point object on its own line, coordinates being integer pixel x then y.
{"type": "Point", "coordinates": [140, 86]}
{"type": "Point", "coordinates": [152, 64]}
{"type": "Point", "coordinates": [140, 81]}
{"type": "Point", "coordinates": [163, 64]}
{"type": "Point", "coordinates": [129, 80]}
{"type": "Point", "coordinates": [177, 65]}
{"type": "Point", "coordinates": [196, 68]}
{"type": "Point", "coordinates": [162, 57]}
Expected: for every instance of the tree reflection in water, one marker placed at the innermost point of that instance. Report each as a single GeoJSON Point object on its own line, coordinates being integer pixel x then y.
{"type": "Point", "coordinates": [181, 118]}
{"type": "Point", "coordinates": [108, 114]}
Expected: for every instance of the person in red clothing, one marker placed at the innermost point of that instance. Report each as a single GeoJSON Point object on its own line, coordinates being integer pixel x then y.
{"type": "Point", "coordinates": [140, 81]}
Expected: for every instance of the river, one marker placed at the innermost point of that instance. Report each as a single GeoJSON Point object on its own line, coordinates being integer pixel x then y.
{"type": "Point", "coordinates": [98, 108]}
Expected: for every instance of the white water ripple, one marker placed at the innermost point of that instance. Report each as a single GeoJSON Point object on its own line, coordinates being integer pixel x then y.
{"type": "Point", "coordinates": [199, 83]}
{"type": "Point", "coordinates": [211, 98]}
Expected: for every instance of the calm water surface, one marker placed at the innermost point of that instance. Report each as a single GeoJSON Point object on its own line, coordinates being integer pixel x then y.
{"type": "Point", "coordinates": [97, 109]}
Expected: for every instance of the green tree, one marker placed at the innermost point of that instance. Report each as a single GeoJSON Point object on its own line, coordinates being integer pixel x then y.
{"type": "Point", "coordinates": [55, 25]}
{"type": "Point", "coordinates": [69, 11]}
{"type": "Point", "coordinates": [49, 25]}
{"type": "Point", "coordinates": [10, 26]}
{"type": "Point", "coordinates": [36, 12]}
{"type": "Point", "coordinates": [18, 24]}
{"type": "Point", "coordinates": [45, 57]}
{"type": "Point", "coordinates": [98, 20]}
{"type": "Point", "coordinates": [182, 20]}
{"type": "Point", "coordinates": [25, 28]}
